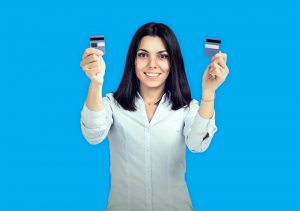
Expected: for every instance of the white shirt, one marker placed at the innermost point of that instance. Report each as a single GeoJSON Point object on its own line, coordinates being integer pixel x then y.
{"type": "Point", "coordinates": [148, 159]}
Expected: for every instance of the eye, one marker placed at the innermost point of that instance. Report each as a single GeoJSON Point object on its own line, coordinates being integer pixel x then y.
{"type": "Point", "coordinates": [142, 55]}
{"type": "Point", "coordinates": [163, 56]}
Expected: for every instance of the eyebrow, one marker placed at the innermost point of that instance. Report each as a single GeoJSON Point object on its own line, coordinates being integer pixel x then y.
{"type": "Point", "coordinates": [148, 51]}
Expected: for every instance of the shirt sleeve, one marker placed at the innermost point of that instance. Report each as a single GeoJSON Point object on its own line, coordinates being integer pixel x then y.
{"type": "Point", "coordinates": [198, 131]}
{"type": "Point", "coordinates": [96, 125]}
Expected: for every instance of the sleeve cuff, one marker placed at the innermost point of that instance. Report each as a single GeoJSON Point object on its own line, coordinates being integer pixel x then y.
{"type": "Point", "coordinates": [208, 125]}
{"type": "Point", "coordinates": [93, 119]}
{"type": "Point", "coordinates": [204, 122]}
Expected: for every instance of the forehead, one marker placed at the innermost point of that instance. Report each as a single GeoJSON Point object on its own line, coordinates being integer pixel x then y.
{"type": "Point", "coordinates": [152, 43]}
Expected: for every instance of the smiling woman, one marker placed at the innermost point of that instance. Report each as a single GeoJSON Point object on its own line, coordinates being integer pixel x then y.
{"type": "Point", "coordinates": [146, 59]}
{"type": "Point", "coordinates": [154, 66]}
{"type": "Point", "coordinates": [150, 120]}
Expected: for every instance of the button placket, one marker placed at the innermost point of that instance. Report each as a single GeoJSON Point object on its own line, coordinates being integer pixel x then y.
{"type": "Point", "coordinates": [148, 168]}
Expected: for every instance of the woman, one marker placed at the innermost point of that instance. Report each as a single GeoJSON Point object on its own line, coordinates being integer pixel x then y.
{"type": "Point", "coordinates": [150, 120]}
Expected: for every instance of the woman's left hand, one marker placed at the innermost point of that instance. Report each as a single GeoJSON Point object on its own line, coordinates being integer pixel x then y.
{"type": "Point", "coordinates": [215, 73]}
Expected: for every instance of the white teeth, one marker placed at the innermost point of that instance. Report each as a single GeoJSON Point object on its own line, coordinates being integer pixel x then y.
{"type": "Point", "coordinates": [152, 74]}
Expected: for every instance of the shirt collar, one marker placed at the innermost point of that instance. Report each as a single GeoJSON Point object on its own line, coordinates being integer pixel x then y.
{"type": "Point", "coordinates": [162, 98]}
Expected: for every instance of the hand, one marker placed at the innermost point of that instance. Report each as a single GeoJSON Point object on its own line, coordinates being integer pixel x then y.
{"type": "Point", "coordinates": [93, 65]}
{"type": "Point", "coordinates": [215, 73]}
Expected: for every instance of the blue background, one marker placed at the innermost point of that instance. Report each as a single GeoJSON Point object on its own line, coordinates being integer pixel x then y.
{"type": "Point", "coordinates": [252, 162]}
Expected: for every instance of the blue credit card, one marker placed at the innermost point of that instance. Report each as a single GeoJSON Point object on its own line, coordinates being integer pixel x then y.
{"type": "Point", "coordinates": [212, 46]}
{"type": "Point", "coordinates": [98, 42]}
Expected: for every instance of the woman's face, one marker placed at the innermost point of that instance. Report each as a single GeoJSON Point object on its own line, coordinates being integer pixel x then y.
{"type": "Point", "coordinates": [152, 63]}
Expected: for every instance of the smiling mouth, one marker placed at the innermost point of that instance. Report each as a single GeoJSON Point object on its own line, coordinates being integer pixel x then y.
{"type": "Point", "coordinates": [152, 75]}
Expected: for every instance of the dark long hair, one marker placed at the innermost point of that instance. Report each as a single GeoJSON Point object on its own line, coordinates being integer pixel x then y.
{"type": "Point", "coordinates": [176, 88]}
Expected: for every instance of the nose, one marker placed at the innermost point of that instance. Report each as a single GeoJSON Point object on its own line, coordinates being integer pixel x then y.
{"type": "Point", "coordinates": [152, 62]}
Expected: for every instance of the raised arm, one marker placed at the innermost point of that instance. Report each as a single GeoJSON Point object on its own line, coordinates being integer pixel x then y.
{"type": "Point", "coordinates": [96, 115]}
{"type": "Point", "coordinates": [200, 126]}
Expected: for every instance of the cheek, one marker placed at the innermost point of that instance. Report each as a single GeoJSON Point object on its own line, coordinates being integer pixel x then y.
{"type": "Point", "coordinates": [166, 75]}
{"type": "Point", "coordinates": [164, 66]}
{"type": "Point", "coordinates": [140, 64]}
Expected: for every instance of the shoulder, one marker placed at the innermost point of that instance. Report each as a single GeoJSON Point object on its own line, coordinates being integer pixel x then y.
{"type": "Point", "coordinates": [192, 107]}
{"type": "Point", "coordinates": [109, 99]}
{"type": "Point", "coordinates": [109, 96]}
{"type": "Point", "coordinates": [194, 103]}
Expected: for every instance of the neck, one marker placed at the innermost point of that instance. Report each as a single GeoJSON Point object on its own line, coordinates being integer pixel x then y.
{"type": "Point", "coordinates": [151, 96]}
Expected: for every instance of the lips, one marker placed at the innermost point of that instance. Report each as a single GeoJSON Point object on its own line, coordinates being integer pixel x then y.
{"type": "Point", "coordinates": [152, 75]}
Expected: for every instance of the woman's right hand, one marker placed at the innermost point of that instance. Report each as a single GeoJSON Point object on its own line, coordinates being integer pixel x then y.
{"type": "Point", "coordinates": [93, 65]}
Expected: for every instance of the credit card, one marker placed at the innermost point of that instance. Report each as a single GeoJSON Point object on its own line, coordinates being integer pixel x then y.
{"type": "Point", "coordinates": [212, 46]}
{"type": "Point", "coordinates": [98, 42]}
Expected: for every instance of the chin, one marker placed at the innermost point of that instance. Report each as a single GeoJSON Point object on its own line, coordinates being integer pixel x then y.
{"type": "Point", "coordinates": [153, 85]}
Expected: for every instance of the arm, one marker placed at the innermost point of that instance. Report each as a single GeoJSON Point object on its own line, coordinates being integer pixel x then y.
{"type": "Point", "coordinates": [206, 109]}
{"type": "Point", "coordinates": [200, 127]}
{"type": "Point", "coordinates": [96, 115]}
{"type": "Point", "coordinates": [95, 125]}
{"type": "Point", "coordinates": [94, 99]}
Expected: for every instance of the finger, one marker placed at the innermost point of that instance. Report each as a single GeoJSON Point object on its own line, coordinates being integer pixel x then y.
{"type": "Point", "coordinates": [217, 70]}
{"type": "Point", "coordinates": [92, 65]}
{"type": "Point", "coordinates": [221, 75]}
{"type": "Point", "coordinates": [222, 65]}
{"type": "Point", "coordinates": [220, 55]}
{"type": "Point", "coordinates": [90, 51]}
{"type": "Point", "coordinates": [211, 71]}
{"type": "Point", "coordinates": [89, 59]}
{"type": "Point", "coordinates": [220, 61]}
{"type": "Point", "coordinates": [215, 65]}
{"type": "Point", "coordinates": [87, 52]}
{"type": "Point", "coordinates": [94, 71]}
